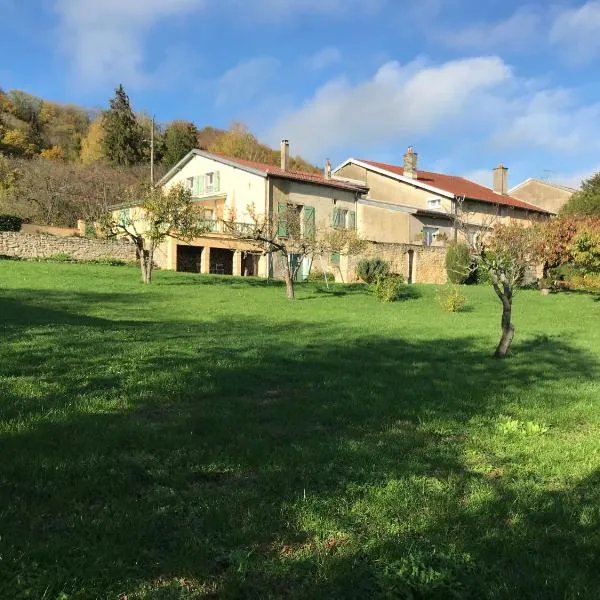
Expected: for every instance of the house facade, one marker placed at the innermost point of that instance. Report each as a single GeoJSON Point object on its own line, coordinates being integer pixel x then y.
{"type": "Point", "coordinates": [425, 204]}
{"type": "Point", "coordinates": [546, 195]}
{"type": "Point", "coordinates": [236, 190]}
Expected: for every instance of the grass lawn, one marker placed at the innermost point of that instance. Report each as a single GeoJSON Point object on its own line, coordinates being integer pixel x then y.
{"type": "Point", "coordinates": [203, 437]}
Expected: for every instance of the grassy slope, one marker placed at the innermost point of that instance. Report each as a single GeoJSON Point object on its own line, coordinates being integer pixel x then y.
{"type": "Point", "coordinates": [205, 436]}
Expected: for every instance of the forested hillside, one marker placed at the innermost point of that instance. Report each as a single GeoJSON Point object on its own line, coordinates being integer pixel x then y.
{"type": "Point", "coordinates": [62, 162]}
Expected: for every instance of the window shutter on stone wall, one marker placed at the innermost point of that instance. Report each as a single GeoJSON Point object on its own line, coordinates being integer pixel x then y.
{"type": "Point", "coordinates": [351, 220]}
{"type": "Point", "coordinates": [282, 229]}
{"type": "Point", "coordinates": [309, 221]}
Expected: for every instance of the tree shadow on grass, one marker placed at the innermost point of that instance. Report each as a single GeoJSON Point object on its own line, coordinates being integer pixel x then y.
{"type": "Point", "coordinates": [254, 464]}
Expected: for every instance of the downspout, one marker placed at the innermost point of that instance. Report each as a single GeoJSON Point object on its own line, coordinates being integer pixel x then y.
{"type": "Point", "coordinates": [268, 203]}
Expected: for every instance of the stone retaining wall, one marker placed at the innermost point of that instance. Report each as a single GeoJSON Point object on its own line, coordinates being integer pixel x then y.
{"type": "Point", "coordinates": [428, 262]}
{"type": "Point", "coordinates": [29, 245]}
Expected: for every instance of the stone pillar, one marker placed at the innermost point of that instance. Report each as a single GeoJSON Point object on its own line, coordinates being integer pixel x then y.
{"type": "Point", "coordinates": [205, 260]}
{"type": "Point", "coordinates": [237, 263]}
{"type": "Point", "coordinates": [171, 250]}
{"type": "Point", "coordinates": [263, 266]}
{"type": "Point", "coordinates": [81, 227]}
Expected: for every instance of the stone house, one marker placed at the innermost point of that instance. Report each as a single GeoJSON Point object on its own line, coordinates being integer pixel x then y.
{"type": "Point", "coordinates": [226, 188]}
{"type": "Point", "coordinates": [423, 204]}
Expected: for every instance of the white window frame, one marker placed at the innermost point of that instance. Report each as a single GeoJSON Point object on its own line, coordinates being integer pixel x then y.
{"type": "Point", "coordinates": [434, 204]}
{"type": "Point", "coordinates": [209, 182]}
{"type": "Point", "coordinates": [429, 235]}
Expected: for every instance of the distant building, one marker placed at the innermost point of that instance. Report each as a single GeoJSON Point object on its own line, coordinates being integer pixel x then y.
{"type": "Point", "coordinates": [549, 196]}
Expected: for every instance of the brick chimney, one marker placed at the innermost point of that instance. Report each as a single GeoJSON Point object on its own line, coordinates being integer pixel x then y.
{"type": "Point", "coordinates": [410, 163]}
{"type": "Point", "coordinates": [327, 169]}
{"type": "Point", "coordinates": [501, 179]}
{"type": "Point", "coordinates": [285, 155]}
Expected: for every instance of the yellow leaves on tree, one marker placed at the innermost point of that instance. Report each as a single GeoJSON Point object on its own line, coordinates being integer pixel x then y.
{"type": "Point", "coordinates": [54, 153]}
{"type": "Point", "coordinates": [91, 145]}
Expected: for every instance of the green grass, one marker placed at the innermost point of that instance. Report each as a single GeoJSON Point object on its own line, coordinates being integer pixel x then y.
{"type": "Point", "coordinates": [204, 437]}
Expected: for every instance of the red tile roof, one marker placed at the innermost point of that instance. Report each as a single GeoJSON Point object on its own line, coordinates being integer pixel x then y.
{"type": "Point", "coordinates": [459, 186]}
{"type": "Point", "coordinates": [275, 171]}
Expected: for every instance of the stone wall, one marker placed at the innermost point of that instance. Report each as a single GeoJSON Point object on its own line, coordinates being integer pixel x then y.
{"type": "Point", "coordinates": [30, 245]}
{"type": "Point", "coordinates": [428, 262]}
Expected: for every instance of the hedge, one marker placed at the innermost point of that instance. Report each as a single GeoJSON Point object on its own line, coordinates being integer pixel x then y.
{"type": "Point", "coordinates": [10, 223]}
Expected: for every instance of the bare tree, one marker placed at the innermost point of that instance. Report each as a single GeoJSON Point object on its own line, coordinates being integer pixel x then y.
{"type": "Point", "coordinates": [292, 234]}
{"type": "Point", "coordinates": [505, 252]}
{"type": "Point", "coordinates": [150, 217]}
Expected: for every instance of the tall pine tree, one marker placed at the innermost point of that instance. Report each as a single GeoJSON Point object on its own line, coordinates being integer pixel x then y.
{"type": "Point", "coordinates": [123, 139]}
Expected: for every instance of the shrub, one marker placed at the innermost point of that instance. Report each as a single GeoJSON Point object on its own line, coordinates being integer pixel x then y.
{"type": "Point", "coordinates": [589, 281]}
{"type": "Point", "coordinates": [390, 288]}
{"type": "Point", "coordinates": [317, 276]}
{"type": "Point", "coordinates": [451, 298]}
{"type": "Point", "coordinates": [10, 223]}
{"type": "Point", "coordinates": [372, 269]}
{"type": "Point", "coordinates": [458, 262]}
{"type": "Point", "coordinates": [60, 257]}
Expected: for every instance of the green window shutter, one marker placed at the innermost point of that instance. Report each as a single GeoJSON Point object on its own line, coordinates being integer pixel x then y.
{"type": "Point", "coordinates": [282, 229]}
{"type": "Point", "coordinates": [309, 221]}
{"type": "Point", "coordinates": [336, 217]}
{"type": "Point", "coordinates": [124, 217]}
{"type": "Point", "coordinates": [217, 181]}
{"type": "Point", "coordinates": [335, 258]}
{"type": "Point", "coordinates": [351, 220]}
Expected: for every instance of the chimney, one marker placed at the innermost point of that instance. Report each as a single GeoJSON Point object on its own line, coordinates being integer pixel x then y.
{"type": "Point", "coordinates": [501, 179]}
{"type": "Point", "coordinates": [410, 163]}
{"type": "Point", "coordinates": [285, 155]}
{"type": "Point", "coordinates": [327, 170]}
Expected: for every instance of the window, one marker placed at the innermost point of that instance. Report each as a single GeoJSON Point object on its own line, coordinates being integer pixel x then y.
{"type": "Point", "coordinates": [189, 183]}
{"type": "Point", "coordinates": [503, 211]}
{"type": "Point", "coordinates": [344, 219]}
{"type": "Point", "coordinates": [209, 214]}
{"type": "Point", "coordinates": [435, 204]}
{"type": "Point", "coordinates": [203, 185]}
{"type": "Point", "coordinates": [429, 235]}
{"type": "Point", "coordinates": [210, 183]}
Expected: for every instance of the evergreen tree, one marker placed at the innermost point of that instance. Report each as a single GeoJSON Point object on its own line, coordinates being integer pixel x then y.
{"type": "Point", "coordinates": [123, 139]}
{"type": "Point", "coordinates": [180, 137]}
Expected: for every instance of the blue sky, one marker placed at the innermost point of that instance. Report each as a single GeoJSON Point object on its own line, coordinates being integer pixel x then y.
{"type": "Point", "coordinates": [468, 83]}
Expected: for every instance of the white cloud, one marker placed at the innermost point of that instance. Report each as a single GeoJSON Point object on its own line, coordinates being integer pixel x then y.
{"type": "Point", "coordinates": [324, 58]}
{"type": "Point", "coordinates": [243, 82]}
{"type": "Point", "coordinates": [573, 180]}
{"type": "Point", "coordinates": [481, 176]}
{"type": "Point", "coordinates": [550, 120]}
{"type": "Point", "coordinates": [104, 37]}
{"type": "Point", "coordinates": [518, 30]}
{"type": "Point", "coordinates": [577, 30]}
{"type": "Point", "coordinates": [397, 101]}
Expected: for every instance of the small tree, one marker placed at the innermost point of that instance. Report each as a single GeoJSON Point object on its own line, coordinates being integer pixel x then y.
{"type": "Point", "coordinates": [292, 233]}
{"type": "Point", "coordinates": [151, 217]}
{"type": "Point", "coordinates": [504, 252]}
